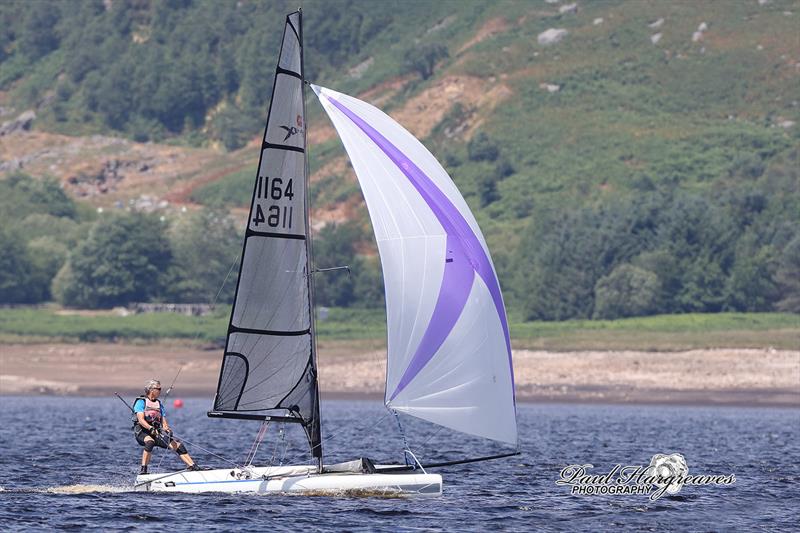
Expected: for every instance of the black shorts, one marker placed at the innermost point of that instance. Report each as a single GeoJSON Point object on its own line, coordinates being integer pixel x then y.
{"type": "Point", "coordinates": [140, 433]}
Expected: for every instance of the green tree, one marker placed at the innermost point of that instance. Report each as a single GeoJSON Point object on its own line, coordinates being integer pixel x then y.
{"type": "Point", "coordinates": [788, 277]}
{"type": "Point", "coordinates": [558, 269]}
{"type": "Point", "coordinates": [751, 285]}
{"type": "Point", "coordinates": [666, 267]}
{"type": "Point", "coordinates": [206, 247]}
{"type": "Point", "coordinates": [47, 255]}
{"type": "Point", "coordinates": [233, 127]}
{"type": "Point", "coordinates": [626, 291]}
{"type": "Point", "coordinates": [423, 58]}
{"type": "Point", "coordinates": [22, 195]}
{"type": "Point", "coordinates": [17, 282]}
{"type": "Point", "coordinates": [38, 36]}
{"type": "Point", "coordinates": [564, 253]}
{"type": "Point", "coordinates": [368, 288]}
{"type": "Point", "coordinates": [335, 247]}
{"type": "Point", "coordinates": [703, 286]}
{"type": "Point", "coordinates": [124, 259]}
{"type": "Point", "coordinates": [482, 148]}
{"type": "Point", "coordinates": [63, 230]}
{"type": "Point", "coordinates": [343, 29]}
{"type": "Point", "coordinates": [701, 236]}
{"type": "Point", "coordinates": [256, 84]}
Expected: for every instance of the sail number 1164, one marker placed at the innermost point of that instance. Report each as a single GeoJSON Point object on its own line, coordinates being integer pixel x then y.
{"type": "Point", "coordinates": [273, 189]}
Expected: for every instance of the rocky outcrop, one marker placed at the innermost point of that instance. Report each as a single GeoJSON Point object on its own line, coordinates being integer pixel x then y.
{"type": "Point", "coordinates": [551, 36]}
{"type": "Point", "coordinates": [357, 71]}
{"type": "Point", "coordinates": [698, 35]}
{"type": "Point", "coordinates": [21, 123]}
{"type": "Point", "coordinates": [569, 8]}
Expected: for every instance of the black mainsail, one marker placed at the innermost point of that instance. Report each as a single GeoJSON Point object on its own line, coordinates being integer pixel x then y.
{"type": "Point", "coordinates": [269, 370]}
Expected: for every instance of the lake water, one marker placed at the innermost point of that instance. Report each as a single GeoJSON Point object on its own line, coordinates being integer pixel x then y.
{"type": "Point", "coordinates": [69, 463]}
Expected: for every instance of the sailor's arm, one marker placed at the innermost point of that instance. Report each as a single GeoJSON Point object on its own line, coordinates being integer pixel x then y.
{"type": "Point", "coordinates": [164, 423]}
{"type": "Point", "coordinates": [142, 421]}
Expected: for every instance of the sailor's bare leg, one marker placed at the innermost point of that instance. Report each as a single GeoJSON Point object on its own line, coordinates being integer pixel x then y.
{"type": "Point", "coordinates": [183, 457]}
{"type": "Point", "coordinates": [145, 454]}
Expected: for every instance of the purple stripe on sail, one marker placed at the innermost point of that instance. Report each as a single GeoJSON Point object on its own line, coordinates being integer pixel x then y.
{"type": "Point", "coordinates": [463, 247]}
{"type": "Point", "coordinates": [453, 293]}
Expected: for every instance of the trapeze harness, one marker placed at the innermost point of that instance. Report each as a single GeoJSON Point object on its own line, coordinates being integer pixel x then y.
{"type": "Point", "coordinates": [152, 415]}
{"type": "Point", "coordinates": [152, 412]}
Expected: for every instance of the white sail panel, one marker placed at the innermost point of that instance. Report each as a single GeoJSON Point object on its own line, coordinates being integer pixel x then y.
{"type": "Point", "coordinates": [438, 276]}
{"type": "Point", "coordinates": [416, 267]}
{"type": "Point", "coordinates": [411, 246]}
{"type": "Point", "coordinates": [462, 387]}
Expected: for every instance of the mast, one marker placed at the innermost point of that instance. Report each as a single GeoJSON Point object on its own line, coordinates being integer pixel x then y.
{"type": "Point", "coordinates": [269, 365]}
{"type": "Point", "coordinates": [317, 430]}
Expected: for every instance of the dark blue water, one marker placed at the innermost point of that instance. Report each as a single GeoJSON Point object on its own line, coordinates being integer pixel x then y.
{"type": "Point", "coordinates": [69, 463]}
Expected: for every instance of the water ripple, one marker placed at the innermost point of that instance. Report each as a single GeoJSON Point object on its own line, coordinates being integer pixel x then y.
{"type": "Point", "coordinates": [82, 478]}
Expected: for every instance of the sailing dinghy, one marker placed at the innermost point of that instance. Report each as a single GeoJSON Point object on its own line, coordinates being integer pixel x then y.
{"type": "Point", "coordinates": [449, 355]}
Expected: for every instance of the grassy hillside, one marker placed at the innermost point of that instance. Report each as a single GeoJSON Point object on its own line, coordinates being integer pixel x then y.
{"type": "Point", "coordinates": [654, 146]}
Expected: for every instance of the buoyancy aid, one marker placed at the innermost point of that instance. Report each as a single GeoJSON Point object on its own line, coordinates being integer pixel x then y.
{"type": "Point", "coordinates": [152, 411]}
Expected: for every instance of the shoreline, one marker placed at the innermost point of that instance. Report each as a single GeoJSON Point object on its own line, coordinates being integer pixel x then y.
{"type": "Point", "coordinates": [739, 399]}
{"type": "Point", "coordinates": [352, 370]}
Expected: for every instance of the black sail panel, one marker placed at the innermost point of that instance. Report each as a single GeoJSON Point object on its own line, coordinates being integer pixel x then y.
{"type": "Point", "coordinates": [274, 270]}
{"type": "Point", "coordinates": [269, 366]}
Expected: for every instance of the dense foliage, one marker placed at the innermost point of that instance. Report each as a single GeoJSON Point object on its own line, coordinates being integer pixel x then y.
{"type": "Point", "coordinates": [612, 176]}
{"type": "Point", "coordinates": [111, 259]}
{"type": "Point", "coordinates": [154, 69]}
{"type": "Point", "coordinates": [663, 252]}
{"type": "Point", "coordinates": [39, 225]}
{"type": "Point", "coordinates": [361, 284]}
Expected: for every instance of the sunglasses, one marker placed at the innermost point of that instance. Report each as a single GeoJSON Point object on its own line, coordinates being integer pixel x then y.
{"type": "Point", "coordinates": [156, 388]}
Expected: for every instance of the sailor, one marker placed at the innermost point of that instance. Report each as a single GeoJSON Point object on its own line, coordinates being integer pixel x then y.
{"type": "Point", "coordinates": [151, 428]}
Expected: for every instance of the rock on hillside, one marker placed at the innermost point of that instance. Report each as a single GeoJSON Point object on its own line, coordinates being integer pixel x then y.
{"type": "Point", "coordinates": [21, 123]}
{"type": "Point", "coordinates": [551, 36]}
{"type": "Point", "coordinates": [569, 8]}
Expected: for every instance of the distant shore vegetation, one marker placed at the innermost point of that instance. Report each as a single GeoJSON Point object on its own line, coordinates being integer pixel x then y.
{"type": "Point", "coordinates": [360, 327]}
{"type": "Point", "coordinates": [654, 253]}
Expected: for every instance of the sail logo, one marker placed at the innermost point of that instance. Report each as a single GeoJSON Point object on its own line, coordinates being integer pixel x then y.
{"type": "Point", "coordinates": [666, 474]}
{"type": "Point", "coordinates": [293, 130]}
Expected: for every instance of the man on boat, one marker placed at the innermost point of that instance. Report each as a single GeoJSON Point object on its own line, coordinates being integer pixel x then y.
{"type": "Point", "coordinates": [151, 428]}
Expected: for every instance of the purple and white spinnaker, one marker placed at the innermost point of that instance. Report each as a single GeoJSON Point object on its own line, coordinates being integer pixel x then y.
{"type": "Point", "coordinates": [449, 355]}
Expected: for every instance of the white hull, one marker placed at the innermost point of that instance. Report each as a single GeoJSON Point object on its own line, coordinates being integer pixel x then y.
{"type": "Point", "coordinates": [293, 480]}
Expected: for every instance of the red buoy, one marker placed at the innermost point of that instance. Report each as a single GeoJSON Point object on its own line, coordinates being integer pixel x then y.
{"type": "Point", "coordinates": [178, 403]}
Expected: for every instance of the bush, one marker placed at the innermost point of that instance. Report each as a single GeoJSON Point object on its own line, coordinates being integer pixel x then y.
{"type": "Point", "coordinates": [21, 195]}
{"type": "Point", "coordinates": [788, 277]}
{"type": "Point", "coordinates": [205, 246]}
{"type": "Point", "coordinates": [47, 255]}
{"type": "Point", "coordinates": [481, 148]}
{"type": "Point", "coordinates": [423, 58]}
{"type": "Point", "coordinates": [626, 291]}
{"type": "Point", "coordinates": [124, 260]}
{"type": "Point", "coordinates": [16, 280]}
{"type": "Point", "coordinates": [335, 247]}
{"type": "Point", "coordinates": [233, 128]}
